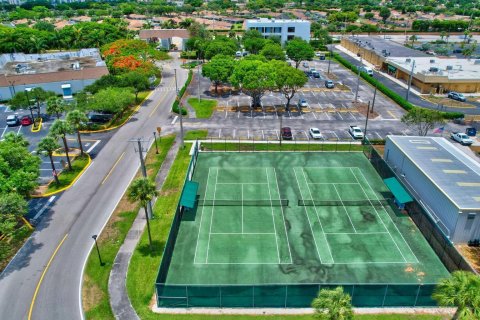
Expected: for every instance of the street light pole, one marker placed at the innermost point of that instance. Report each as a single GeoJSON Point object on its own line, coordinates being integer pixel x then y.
{"type": "Point", "coordinates": [144, 172]}
{"type": "Point", "coordinates": [366, 123]}
{"type": "Point", "coordinates": [358, 81]}
{"type": "Point", "coordinates": [198, 76]}
{"type": "Point", "coordinates": [94, 237]}
{"type": "Point", "coordinates": [27, 90]}
{"type": "Point", "coordinates": [179, 111]}
{"type": "Point", "coordinates": [280, 131]}
{"type": "Point", "coordinates": [330, 60]}
{"type": "Point", "coordinates": [374, 96]}
{"type": "Point", "coordinates": [155, 137]}
{"type": "Point", "coordinates": [410, 80]}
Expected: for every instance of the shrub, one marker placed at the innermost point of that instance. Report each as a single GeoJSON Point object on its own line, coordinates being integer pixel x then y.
{"type": "Point", "coordinates": [175, 107]}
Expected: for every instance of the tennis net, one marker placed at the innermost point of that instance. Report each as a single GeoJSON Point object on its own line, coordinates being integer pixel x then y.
{"type": "Point", "coordinates": [252, 203]}
{"type": "Point", "coordinates": [346, 203]}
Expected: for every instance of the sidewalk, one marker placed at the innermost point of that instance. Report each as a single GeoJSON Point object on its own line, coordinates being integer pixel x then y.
{"type": "Point", "coordinates": [117, 287]}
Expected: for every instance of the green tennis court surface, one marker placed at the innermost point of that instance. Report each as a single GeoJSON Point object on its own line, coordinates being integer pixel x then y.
{"type": "Point", "coordinates": [296, 218]}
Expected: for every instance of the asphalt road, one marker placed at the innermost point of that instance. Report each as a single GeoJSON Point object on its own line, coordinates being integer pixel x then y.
{"type": "Point", "coordinates": [56, 252]}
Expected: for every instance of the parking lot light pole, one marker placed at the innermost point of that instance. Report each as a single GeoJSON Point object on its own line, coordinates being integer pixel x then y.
{"type": "Point", "coordinates": [27, 90]}
{"type": "Point", "coordinates": [358, 80]}
{"type": "Point", "coordinates": [94, 237]}
{"type": "Point", "coordinates": [179, 110]}
{"type": "Point", "coordinates": [198, 76]}
{"type": "Point", "coordinates": [280, 131]}
{"type": "Point", "coordinates": [330, 60]}
{"type": "Point", "coordinates": [410, 80]}
{"type": "Point", "coordinates": [366, 123]}
{"type": "Point", "coordinates": [374, 96]}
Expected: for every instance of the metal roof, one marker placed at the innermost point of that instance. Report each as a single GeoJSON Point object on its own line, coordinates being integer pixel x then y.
{"type": "Point", "coordinates": [455, 174]}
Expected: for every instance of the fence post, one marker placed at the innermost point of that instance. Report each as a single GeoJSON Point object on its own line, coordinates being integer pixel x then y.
{"type": "Point", "coordinates": [416, 298]}
{"type": "Point", "coordinates": [225, 145]}
{"type": "Point", "coordinates": [336, 146]}
{"type": "Point", "coordinates": [350, 147]}
{"type": "Point", "coordinates": [238, 144]}
{"type": "Point", "coordinates": [186, 290]}
{"type": "Point", "coordinates": [286, 295]}
{"type": "Point", "coordinates": [253, 143]}
{"type": "Point", "coordinates": [220, 288]}
{"type": "Point", "coordinates": [384, 295]}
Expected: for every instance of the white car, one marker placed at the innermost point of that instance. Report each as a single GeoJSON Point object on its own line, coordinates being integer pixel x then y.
{"type": "Point", "coordinates": [315, 133]}
{"type": "Point", "coordinates": [462, 138]}
{"type": "Point", "coordinates": [356, 132]}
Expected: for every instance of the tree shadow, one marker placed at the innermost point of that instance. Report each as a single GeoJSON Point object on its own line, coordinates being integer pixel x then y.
{"type": "Point", "coordinates": [23, 257]}
{"type": "Point", "coordinates": [156, 251]}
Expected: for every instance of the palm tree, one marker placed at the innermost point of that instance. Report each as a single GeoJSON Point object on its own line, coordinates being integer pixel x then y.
{"type": "Point", "coordinates": [443, 34]}
{"type": "Point", "coordinates": [462, 291]}
{"type": "Point", "coordinates": [77, 119]}
{"type": "Point", "coordinates": [413, 38]}
{"type": "Point", "coordinates": [333, 305]}
{"type": "Point", "coordinates": [55, 106]}
{"type": "Point", "coordinates": [143, 190]}
{"type": "Point", "coordinates": [48, 145]}
{"type": "Point", "coordinates": [59, 129]}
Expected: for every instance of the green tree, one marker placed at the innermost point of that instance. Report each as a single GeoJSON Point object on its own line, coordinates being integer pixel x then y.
{"type": "Point", "coordinates": [16, 139]}
{"type": "Point", "coordinates": [299, 50]}
{"type": "Point", "coordinates": [288, 80]}
{"type": "Point", "coordinates": [12, 207]}
{"type": "Point", "coordinates": [413, 38]}
{"type": "Point", "coordinates": [39, 95]}
{"type": "Point", "coordinates": [462, 291]}
{"type": "Point", "coordinates": [333, 305]}
{"type": "Point", "coordinates": [369, 15]}
{"type": "Point", "coordinates": [138, 81]}
{"type": "Point", "coordinates": [143, 190]}
{"type": "Point", "coordinates": [221, 45]}
{"type": "Point", "coordinates": [20, 101]}
{"type": "Point", "coordinates": [56, 106]}
{"type": "Point", "coordinates": [384, 13]}
{"type": "Point", "coordinates": [422, 119]}
{"type": "Point", "coordinates": [111, 100]}
{"type": "Point", "coordinates": [219, 69]}
{"type": "Point", "coordinates": [254, 78]}
{"type": "Point", "coordinates": [273, 51]}
{"type": "Point", "coordinates": [468, 50]}
{"type": "Point", "coordinates": [77, 120]}
{"type": "Point", "coordinates": [60, 129]}
{"type": "Point", "coordinates": [253, 41]}
{"type": "Point", "coordinates": [47, 146]}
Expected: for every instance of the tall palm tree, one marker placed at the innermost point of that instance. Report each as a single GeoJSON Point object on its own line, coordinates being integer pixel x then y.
{"type": "Point", "coordinates": [55, 106]}
{"type": "Point", "coordinates": [462, 290]}
{"type": "Point", "coordinates": [60, 129]}
{"type": "Point", "coordinates": [77, 119]}
{"type": "Point", "coordinates": [48, 145]}
{"type": "Point", "coordinates": [413, 38]}
{"type": "Point", "coordinates": [333, 305]}
{"type": "Point", "coordinates": [143, 190]}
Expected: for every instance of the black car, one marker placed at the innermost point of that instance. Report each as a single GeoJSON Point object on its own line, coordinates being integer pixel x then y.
{"type": "Point", "coordinates": [329, 84]}
{"type": "Point", "coordinates": [286, 133]}
{"type": "Point", "coordinates": [97, 117]}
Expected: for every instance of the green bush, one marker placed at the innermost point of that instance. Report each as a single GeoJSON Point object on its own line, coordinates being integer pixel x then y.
{"type": "Point", "coordinates": [188, 55]}
{"type": "Point", "coordinates": [175, 108]}
{"type": "Point", "coordinates": [387, 91]}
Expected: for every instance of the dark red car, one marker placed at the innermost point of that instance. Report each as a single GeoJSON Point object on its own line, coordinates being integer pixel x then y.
{"type": "Point", "coordinates": [286, 133]}
{"type": "Point", "coordinates": [26, 121]}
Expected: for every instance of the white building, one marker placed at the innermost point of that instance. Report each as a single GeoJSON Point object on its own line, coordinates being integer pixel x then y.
{"type": "Point", "coordinates": [285, 29]}
{"type": "Point", "coordinates": [443, 179]}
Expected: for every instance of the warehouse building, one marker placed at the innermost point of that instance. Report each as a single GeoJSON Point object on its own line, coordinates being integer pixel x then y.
{"type": "Point", "coordinates": [64, 73]}
{"type": "Point", "coordinates": [444, 181]}
{"type": "Point", "coordinates": [284, 29]}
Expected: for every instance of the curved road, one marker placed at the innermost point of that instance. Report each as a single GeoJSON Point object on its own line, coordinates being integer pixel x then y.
{"type": "Point", "coordinates": [56, 253]}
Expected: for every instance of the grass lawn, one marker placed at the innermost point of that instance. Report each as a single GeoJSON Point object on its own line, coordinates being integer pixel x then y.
{"type": "Point", "coordinates": [66, 177]}
{"type": "Point", "coordinates": [232, 146]}
{"type": "Point", "coordinates": [447, 102]}
{"type": "Point", "coordinates": [204, 108]}
{"type": "Point", "coordinates": [196, 134]}
{"type": "Point", "coordinates": [96, 302]}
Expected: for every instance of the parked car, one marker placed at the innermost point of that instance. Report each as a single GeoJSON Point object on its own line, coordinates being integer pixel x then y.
{"type": "Point", "coordinates": [367, 70]}
{"type": "Point", "coordinates": [238, 54]}
{"type": "Point", "coordinates": [356, 132]}
{"type": "Point", "coordinates": [311, 71]}
{"type": "Point", "coordinates": [306, 65]}
{"type": "Point", "coordinates": [97, 117]}
{"type": "Point", "coordinates": [456, 96]}
{"type": "Point", "coordinates": [12, 120]}
{"type": "Point", "coordinates": [329, 84]}
{"type": "Point", "coordinates": [26, 121]}
{"type": "Point", "coordinates": [286, 133]}
{"type": "Point", "coordinates": [462, 138]}
{"type": "Point", "coordinates": [315, 133]}
{"type": "Point", "coordinates": [316, 74]}
{"type": "Point", "coordinates": [302, 103]}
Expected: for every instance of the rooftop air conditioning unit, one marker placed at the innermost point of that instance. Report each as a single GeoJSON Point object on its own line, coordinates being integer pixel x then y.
{"type": "Point", "coordinates": [432, 61]}
{"type": "Point", "coordinates": [476, 61]}
{"type": "Point", "coordinates": [433, 69]}
{"type": "Point", "coordinates": [449, 67]}
{"type": "Point", "coordinates": [408, 60]}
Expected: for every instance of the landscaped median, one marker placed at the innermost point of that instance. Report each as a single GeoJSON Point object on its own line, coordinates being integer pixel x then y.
{"type": "Point", "coordinates": [175, 108]}
{"type": "Point", "coordinates": [387, 91]}
{"type": "Point", "coordinates": [95, 297]}
{"type": "Point", "coordinates": [66, 178]}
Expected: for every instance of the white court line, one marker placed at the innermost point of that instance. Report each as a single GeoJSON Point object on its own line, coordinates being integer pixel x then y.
{"type": "Point", "coordinates": [308, 218]}
{"type": "Point", "coordinates": [237, 263]}
{"type": "Point", "coordinates": [273, 217]}
{"type": "Point", "coordinates": [201, 218]}
{"type": "Point", "coordinates": [283, 216]}
{"type": "Point", "coordinates": [382, 219]}
{"type": "Point", "coordinates": [333, 183]}
{"type": "Point", "coordinates": [243, 233]}
{"type": "Point", "coordinates": [356, 232]}
{"type": "Point", "coordinates": [343, 205]}
{"type": "Point", "coordinates": [211, 218]}
{"type": "Point", "coordinates": [241, 183]}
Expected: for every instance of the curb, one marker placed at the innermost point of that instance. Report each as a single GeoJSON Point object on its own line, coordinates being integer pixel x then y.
{"type": "Point", "coordinates": [71, 183]}
{"type": "Point", "coordinates": [39, 126]}
{"type": "Point", "coordinates": [126, 120]}
{"type": "Point", "coordinates": [57, 154]}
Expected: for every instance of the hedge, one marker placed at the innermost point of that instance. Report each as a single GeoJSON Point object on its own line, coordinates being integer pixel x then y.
{"type": "Point", "coordinates": [387, 91]}
{"type": "Point", "coordinates": [175, 108]}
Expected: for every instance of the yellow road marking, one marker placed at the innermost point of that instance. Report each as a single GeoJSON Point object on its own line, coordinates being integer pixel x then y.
{"type": "Point", "coordinates": [111, 170]}
{"type": "Point", "coordinates": [391, 113]}
{"type": "Point", "coordinates": [154, 109]}
{"type": "Point", "coordinates": [43, 275]}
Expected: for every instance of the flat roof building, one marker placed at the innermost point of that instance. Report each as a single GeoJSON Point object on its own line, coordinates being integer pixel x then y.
{"type": "Point", "coordinates": [444, 180]}
{"type": "Point", "coordinates": [64, 73]}
{"type": "Point", "coordinates": [284, 29]}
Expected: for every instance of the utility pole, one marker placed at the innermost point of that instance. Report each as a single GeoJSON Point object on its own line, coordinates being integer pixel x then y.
{"type": "Point", "coordinates": [374, 96]}
{"type": "Point", "coordinates": [179, 111]}
{"type": "Point", "coordinates": [410, 80]}
{"type": "Point", "coordinates": [144, 171]}
{"type": "Point", "coordinates": [358, 80]}
{"type": "Point", "coordinates": [330, 60]}
{"type": "Point", "coordinates": [280, 131]}
{"type": "Point", "coordinates": [366, 123]}
{"type": "Point", "coordinates": [27, 90]}
{"type": "Point", "coordinates": [198, 76]}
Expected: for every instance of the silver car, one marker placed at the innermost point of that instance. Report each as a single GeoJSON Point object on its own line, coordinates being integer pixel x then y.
{"type": "Point", "coordinates": [12, 120]}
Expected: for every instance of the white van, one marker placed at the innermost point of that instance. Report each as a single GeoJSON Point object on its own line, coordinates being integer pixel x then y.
{"type": "Point", "coordinates": [367, 70]}
{"type": "Point", "coordinates": [238, 54]}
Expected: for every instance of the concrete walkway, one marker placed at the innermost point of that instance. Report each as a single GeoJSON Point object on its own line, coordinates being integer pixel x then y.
{"type": "Point", "coordinates": [117, 287]}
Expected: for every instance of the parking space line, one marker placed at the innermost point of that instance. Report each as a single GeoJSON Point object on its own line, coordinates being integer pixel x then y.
{"type": "Point", "coordinates": [338, 113]}
{"type": "Point", "coordinates": [335, 134]}
{"type": "Point", "coordinates": [263, 135]}
{"type": "Point", "coordinates": [234, 133]}
{"type": "Point", "coordinates": [4, 132]}
{"type": "Point", "coordinates": [93, 146]}
{"type": "Point", "coordinates": [220, 133]}
{"type": "Point", "coordinates": [392, 114]}
{"type": "Point", "coordinates": [306, 135]}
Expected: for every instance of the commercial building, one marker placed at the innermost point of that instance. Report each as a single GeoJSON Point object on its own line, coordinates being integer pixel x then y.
{"type": "Point", "coordinates": [284, 29]}
{"type": "Point", "coordinates": [430, 74]}
{"type": "Point", "coordinates": [444, 181]}
{"type": "Point", "coordinates": [64, 73]}
{"type": "Point", "coordinates": [166, 37]}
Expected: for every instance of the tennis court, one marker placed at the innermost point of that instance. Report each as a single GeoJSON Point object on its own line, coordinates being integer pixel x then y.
{"type": "Point", "coordinates": [291, 218]}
